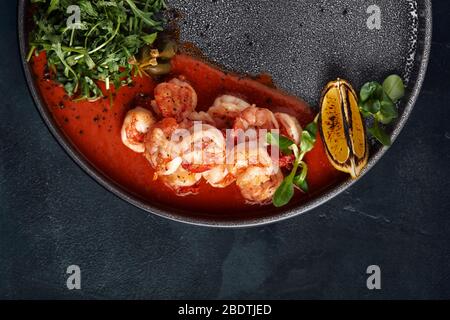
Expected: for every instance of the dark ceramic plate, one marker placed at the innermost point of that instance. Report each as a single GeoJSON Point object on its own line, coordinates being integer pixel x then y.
{"type": "Point", "coordinates": [303, 44]}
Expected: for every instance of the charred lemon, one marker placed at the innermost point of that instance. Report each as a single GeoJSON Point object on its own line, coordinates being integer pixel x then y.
{"type": "Point", "coordinates": [342, 128]}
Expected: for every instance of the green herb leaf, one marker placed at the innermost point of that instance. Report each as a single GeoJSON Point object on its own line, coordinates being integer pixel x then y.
{"type": "Point", "coordinates": [366, 114]}
{"type": "Point", "coordinates": [388, 111]}
{"type": "Point", "coordinates": [103, 48]}
{"type": "Point", "coordinates": [53, 6]}
{"type": "Point", "coordinates": [371, 106]}
{"type": "Point", "coordinates": [308, 142]}
{"type": "Point", "coordinates": [283, 143]}
{"type": "Point", "coordinates": [378, 102]}
{"type": "Point", "coordinates": [394, 87]}
{"type": "Point", "coordinates": [370, 90]}
{"type": "Point", "coordinates": [312, 128]}
{"type": "Point", "coordinates": [302, 184]}
{"type": "Point", "coordinates": [150, 38]}
{"type": "Point", "coordinates": [284, 193]}
{"type": "Point", "coordinates": [300, 180]}
{"type": "Point", "coordinates": [377, 132]}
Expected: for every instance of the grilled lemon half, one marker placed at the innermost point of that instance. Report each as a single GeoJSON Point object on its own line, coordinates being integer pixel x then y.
{"type": "Point", "coordinates": [342, 128]}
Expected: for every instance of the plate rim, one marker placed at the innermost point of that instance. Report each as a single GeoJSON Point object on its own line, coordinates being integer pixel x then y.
{"type": "Point", "coordinates": [183, 216]}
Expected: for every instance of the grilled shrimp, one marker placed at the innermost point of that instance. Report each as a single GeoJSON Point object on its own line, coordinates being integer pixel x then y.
{"type": "Point", "coordinates": [219, 176]}
{"type": "Point", "coordinates": [202, 117]}
{"type": "Point", "coordinates": [175, 99]}
{"type": "Point", "coordinates": [204, 147]}
{"type": "Point", "coordinates": [163, 153]}
{"type": "Point", "coordinates": [248, 154]}
{"type": "Point", "coordinates": [180, 157]}
{"type": "Point", "coordinates": [258, 184]}
{"type": "Point", "coordinates": [258, 176]}
{"type": "Point", "coordinates": [226, 109]}
{"type": "Point", "coordinates": [160, 150]}
{"type": "Point", "coordinates": [256, 118]}
{"type": "Point", "coordinates": [289, 127]}
{"type": "Point", "coordinates": [135, 127]}
{"type": "Point", "coordinates": [182, 182]}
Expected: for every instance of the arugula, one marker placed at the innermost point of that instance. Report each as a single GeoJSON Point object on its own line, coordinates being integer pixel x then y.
{"type": "Point", "coordinates": [101, 48]}
{"type": "Point", "coordinates": [285, 192]}
{"type": "Point", "coordinates": [378, 101]}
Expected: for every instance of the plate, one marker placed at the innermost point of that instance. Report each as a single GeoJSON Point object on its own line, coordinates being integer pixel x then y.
{"type": "Point", "coordinates": [302, 45]}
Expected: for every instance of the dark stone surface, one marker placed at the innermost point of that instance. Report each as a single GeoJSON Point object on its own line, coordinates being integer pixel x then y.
{"type": "Point", "coordinates": [53, 215]}
{"type": "Point", "coordinates": [314, 41]}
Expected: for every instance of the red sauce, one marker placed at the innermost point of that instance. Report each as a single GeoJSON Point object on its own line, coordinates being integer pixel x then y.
{"type": "Point", "coordinates": [94, 128]}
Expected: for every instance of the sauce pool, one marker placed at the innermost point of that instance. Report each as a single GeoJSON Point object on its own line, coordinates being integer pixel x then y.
{"type": "Point", "coordinates": [94, 129]}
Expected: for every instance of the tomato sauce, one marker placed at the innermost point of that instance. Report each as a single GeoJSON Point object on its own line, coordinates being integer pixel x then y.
{"type": "Point", "coordinates": [94, 128]}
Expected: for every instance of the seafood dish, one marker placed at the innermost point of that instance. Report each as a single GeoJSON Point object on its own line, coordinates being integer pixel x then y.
{"type": "Point", "coordinates": [174, 129]}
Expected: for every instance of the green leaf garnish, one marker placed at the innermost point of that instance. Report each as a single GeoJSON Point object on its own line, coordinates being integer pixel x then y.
{"type": "Point", "coordinates": [301, 184]}
{"type": "Point", "coordinates": [378, 102]}
{"type": "Point", "coordinates": [307, 143]}
{"type": "Point", "coordinates": [300, 180]}
{"type": "Point", "coordinates": [371, 106]}
{"type": "Point", "coordinates": [283, 143]}
{"type": "Point", "coordinates": [102, 47]}
{"type": "Point", "coordinates": [394, 87]}
{"type": "Point", "coordinates": [150, 38]}
{"type": "Point", "coordinates": [379, 134]}
{"type": "Point", "coordinates": [370, 90]}
{"type": "Point", "coordinates": [387, 112]}
{"type": "Point", "coordinates": [312, 128]}
{"type": "Point", "coordinates": [285, 192]}
{"type": "Point", "coordinates": [53, 6]}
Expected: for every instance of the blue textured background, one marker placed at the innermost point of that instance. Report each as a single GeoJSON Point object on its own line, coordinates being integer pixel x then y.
{"type": "Point", "coordinates": [53, 215]}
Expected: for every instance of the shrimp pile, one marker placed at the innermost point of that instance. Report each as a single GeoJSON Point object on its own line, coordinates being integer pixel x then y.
{"type": "Point", "coordinates": [185, 146]}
